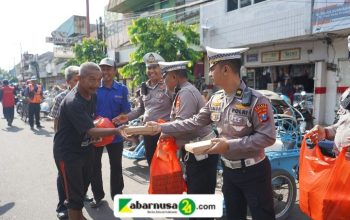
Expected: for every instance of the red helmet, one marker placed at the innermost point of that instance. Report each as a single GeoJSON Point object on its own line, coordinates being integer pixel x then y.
{"type": "Point", "coordinates": [104, 123]}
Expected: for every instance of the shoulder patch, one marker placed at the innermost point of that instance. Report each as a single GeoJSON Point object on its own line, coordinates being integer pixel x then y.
{"type": "Point", "coordinates": [261, 111]}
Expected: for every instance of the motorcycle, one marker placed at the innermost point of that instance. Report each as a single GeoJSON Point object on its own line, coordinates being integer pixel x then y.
{"type": "Point", "coordinates": [22, 107]}
{"type": "Point", "coordinates": [45, 107]}
{"type": "Point", "coordinates": [302, 107]}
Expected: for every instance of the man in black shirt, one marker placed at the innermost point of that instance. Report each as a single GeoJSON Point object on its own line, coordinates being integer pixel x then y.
{"type": "Point", "coordinates": [73, 141]}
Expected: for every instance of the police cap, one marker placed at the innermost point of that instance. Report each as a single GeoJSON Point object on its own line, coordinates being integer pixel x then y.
{"type": "Point", "coordinates": [217, 55]}
{"type": "Point", "coordinates": [152, 59]}
{"type": "Point", "coordinates": [171, 66]}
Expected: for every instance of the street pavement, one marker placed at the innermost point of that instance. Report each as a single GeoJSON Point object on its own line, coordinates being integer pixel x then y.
{"type": "Point", "coordinates": [28, 176]}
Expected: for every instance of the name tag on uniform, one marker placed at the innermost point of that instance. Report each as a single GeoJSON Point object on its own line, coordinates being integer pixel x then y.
{"type": "Point", "coordinates": [215, 116]}
{"type": "Point", "coordinates": [118, 96]}
{"type": "Point", "coordinates": [159, 95]}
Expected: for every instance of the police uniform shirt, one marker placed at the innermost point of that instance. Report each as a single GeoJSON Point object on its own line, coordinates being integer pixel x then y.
{"type": "Point", "coordinates": [112, 102]}
{"type": "Point", "coordinates": [71, 141]}
{"type": "Point", "coordinates": [187, 103]}
{"type": "Point", "coordinates": [248, 128]}
{"type": "Point", "coordinates": [154, 105]}
{"type": "Point", "coordinates": [340, 131]}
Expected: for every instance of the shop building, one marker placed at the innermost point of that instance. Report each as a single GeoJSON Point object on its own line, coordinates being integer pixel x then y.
{"type": "Point", "coordinates": [288, 41]}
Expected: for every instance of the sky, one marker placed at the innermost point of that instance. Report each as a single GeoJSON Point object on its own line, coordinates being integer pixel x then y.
{"type": "Point", "coordinates": [25, 24]}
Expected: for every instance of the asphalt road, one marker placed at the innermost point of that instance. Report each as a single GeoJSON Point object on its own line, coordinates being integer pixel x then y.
{"type": "Point", "coordinates": [28, 176]}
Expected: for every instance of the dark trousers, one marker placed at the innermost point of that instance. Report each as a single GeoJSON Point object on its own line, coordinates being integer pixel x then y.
{"type": "Point", "coordinates": [61, 196]}
{"type": "Point", "coordinates": [9, 114]}
{"type": "Point", "coordinates": [249, 186]}
{"type": "Point", "coordinates": [76, 175]}
{"type": "Point", "coordinates": [201, 175]}
{"type": "Point", "coordinates": [115, 151]}
{"type": "Point", "coordinates": [34, 111]}
{"type": "Point", "coordinates": [150, 146]}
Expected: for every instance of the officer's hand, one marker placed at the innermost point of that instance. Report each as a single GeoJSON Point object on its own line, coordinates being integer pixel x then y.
{"type": "Point", "coordinates": [156, 129]}
{"type": "Point", "coordinates": [123, 132]}
{"type": "Point", "coordinates": [317, 133]}
{"type": "Point", "coordinates": [220, 146]}
{"type": "Point", "coordinates": [120, 119]}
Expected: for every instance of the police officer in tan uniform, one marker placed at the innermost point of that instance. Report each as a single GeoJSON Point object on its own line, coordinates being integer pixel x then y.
{"type": "Point", "coordinates": [200, 169]}
{"type": "Point", "coordinates": [244, 119]}
{"type": "Point", "coordinates": [339, 132]}
{"type": "Point", "coordinates": [155, 102]}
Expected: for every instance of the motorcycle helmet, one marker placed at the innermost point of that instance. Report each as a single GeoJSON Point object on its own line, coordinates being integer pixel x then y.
{"type": "Point", "coordinates": [345, 100]}
{"type": "Point", "coordinates": [104, 123]}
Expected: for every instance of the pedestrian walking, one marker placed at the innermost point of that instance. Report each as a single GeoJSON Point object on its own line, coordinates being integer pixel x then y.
{"type": "Point", "coordinates": [200, 169]}
{"type": "Point", "coordinates": [244, 119]}
{"type": "Point", "coordinates": [155, 102]}
{"type": "Point", "coordinates": [112, 100]}
{"type": "Point", "coordinates": [73, 149]}
{"type": "Point", "coordinates": [7, 97]}
{"type": "Point", "coordinates": [34, 95]}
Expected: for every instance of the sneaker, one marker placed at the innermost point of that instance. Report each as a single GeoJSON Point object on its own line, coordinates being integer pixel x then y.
{"type": "Point", "coordinates": [62, 215]}
{"type": "Point", "coordinates": [95, 203]}
{"type": "Point", "coordinates": [39, 126]}
{"type": "Point", "coordinates": [31, 127]}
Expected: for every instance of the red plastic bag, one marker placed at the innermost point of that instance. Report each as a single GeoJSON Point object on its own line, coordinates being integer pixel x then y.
{"type": "Point", "coordinates": [165, 172]}
{"type": "Point", "coordinates": [324, 184]}
{"type": "Point", "coordinates": [104, 123]}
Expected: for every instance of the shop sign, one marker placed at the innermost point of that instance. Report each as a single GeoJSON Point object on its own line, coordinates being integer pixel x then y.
{"type": "Point", "coordinates": [271, 56]}
{"type": "Point", "coordinates": [63, 52]}
{"type": "Point", "coordinates": [252, 57]}
{"type": "Point", "coordinates": [290, 54]}
{"type": "Point", "coordinates": [62, 40]}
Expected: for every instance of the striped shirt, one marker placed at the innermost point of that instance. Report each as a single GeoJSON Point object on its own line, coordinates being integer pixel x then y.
{"type": "Point", "coordinates": [55, 111]}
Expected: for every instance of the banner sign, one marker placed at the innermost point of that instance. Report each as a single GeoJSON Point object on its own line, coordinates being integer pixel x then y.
{"type": "Point", "coordinates": [330, 15]}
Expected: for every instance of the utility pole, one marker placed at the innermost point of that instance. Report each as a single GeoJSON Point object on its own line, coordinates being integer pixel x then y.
{"type": "Point", "coordinates": [87, 20]}
{"type": "Point", "coordinates": [22, 64]}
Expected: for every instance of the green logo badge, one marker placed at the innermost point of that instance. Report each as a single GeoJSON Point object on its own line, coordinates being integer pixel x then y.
{"type": "Point", "coordinates": [123, 205]}
{"type": "Point", "coordinates": [187, 206]}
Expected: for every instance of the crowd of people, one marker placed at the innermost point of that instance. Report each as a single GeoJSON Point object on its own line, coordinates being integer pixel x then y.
{"type": "Point", "coordinates": [242, 116]}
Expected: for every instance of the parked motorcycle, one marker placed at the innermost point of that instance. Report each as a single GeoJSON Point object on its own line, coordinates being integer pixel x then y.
{"type": "Point", "coordinates": [306, 112]}
{"type": "Point", "coordinates": [45, 106]}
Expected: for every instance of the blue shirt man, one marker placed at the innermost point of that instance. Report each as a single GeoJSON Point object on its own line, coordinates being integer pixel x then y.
{"type": "Point", "coordinates": [112, 100]}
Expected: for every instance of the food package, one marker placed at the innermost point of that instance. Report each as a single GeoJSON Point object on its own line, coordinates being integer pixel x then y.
{"type": "Point", "coordinates": [198, 147]}
{"type": "Point", "coordinates": [140, 130]}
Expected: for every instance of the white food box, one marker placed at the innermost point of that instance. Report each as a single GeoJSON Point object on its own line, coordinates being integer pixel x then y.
{"type": "Point", "coordinates": [198, 147]}
{"type": "Point", "coordinates": [140, 130]}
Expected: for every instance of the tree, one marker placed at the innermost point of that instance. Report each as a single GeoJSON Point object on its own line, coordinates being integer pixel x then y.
{"type": "Point", "coordinates": [89, 50]}
{"type": "Point", "coordinates": [173, 41]}
{"type": "Point", "coordinates": [6, 75]}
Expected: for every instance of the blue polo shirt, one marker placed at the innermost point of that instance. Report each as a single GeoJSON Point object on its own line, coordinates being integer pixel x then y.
{"type": "Point", "coordinates": [112, 102]}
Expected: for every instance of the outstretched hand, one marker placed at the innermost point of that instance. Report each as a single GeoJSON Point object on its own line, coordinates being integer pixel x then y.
{"type": "Point", "coordinates": [220, 146]}
{"type": "Point", "coordinates": [156, 129]}
{"type": "Point", "coordinates": [317, 133]}
{"type": "Point", "coordinates": [120, 119]}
